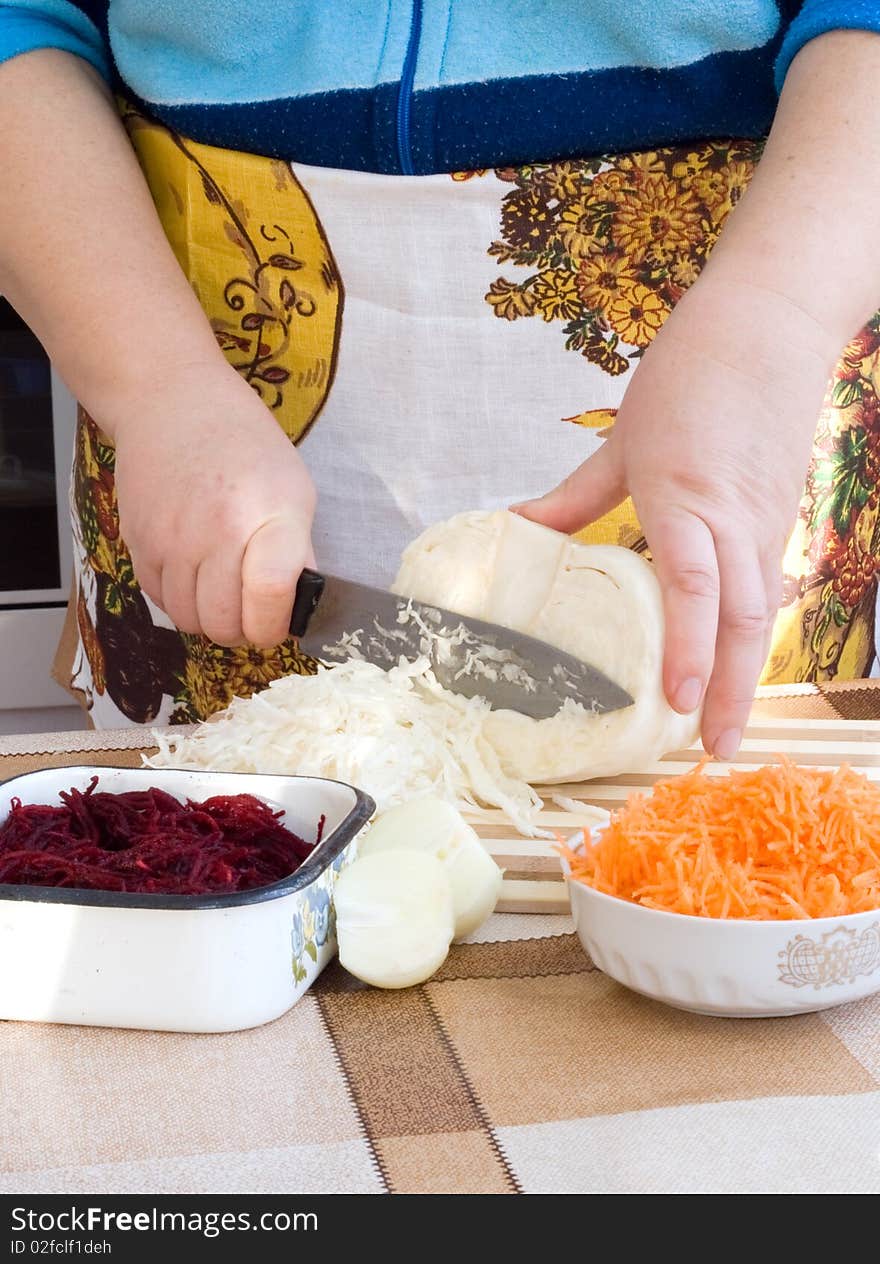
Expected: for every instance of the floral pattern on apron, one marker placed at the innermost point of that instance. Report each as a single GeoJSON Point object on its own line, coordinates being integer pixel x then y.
{"type": "Point", "coordinates": [611, 245]}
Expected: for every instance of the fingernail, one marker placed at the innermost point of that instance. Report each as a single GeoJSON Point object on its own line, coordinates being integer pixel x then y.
{"type": "Point", "coordinates": [727, 744]}
{"type": "Point", "coordinates": [688, 695]}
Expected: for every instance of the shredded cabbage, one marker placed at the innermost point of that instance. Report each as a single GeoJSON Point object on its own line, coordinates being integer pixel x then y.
{"type": "Point", "coordinates": [398, 735]}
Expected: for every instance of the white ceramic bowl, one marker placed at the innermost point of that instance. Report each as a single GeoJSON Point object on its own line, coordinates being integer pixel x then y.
{"type": "Point", "coordinates": [730, 967]}
{"type": "Point", "coordinates": [177, 963]}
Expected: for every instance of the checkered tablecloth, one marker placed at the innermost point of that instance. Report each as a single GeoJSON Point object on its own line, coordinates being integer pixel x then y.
{"type": "Point", "coordinates": [519, 1067]}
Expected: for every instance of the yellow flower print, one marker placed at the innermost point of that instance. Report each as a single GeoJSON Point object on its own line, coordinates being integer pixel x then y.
{"type": "Point", "coordinates": [510, 300]}
{"type": "Point", "coordinates": [721, 190]}
{"type": "Point", "coordinates": [251, 669]}
{"type": "Point", "coordinates": [599, 419]}
{"type": "Point", "coordinates": [611, 243]}
{"type": "Point", "coordinates": [689, 166]}
{"type": "Point", "coordinates": [564, 180]}
{"type": "Point", "coordinates": [710, 187]}
{"type": "Point", "coordinates": [684, 272]}
{"type": "Point", "coordinates": [203, 677]}
{"type": "Point", "coordinates": [660, 219]}
{"type": "Point", "coordinates": [737, 177]}
{"type": "Point", "coordinates": [613, 185]}
{"type": "Point", "coordinates": [214, 675]}
{"type": "Point", "coordinates": [600, 352]}
{"type": "Point", "coordinates": [602, 278]}
{"type": "Point", "coordinates": [577, 228]}
{"type": "Point", "coordinates": [637, 315]}
{"type": "Point", "coordinates": [650, 163]}
{"type": "Point", "coordinates": [556, 296]}
{"type": "Point", "coordinates": [710, 241]}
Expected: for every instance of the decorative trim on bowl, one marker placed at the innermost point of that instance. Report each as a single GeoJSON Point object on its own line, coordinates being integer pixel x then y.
{"type": "Point", "coordinates": [840, 956]}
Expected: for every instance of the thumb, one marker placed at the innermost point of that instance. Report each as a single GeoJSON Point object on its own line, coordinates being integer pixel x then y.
{"type": "Point", "coordinates": [273, 561]}
{"type": "Point", "coordinates": [591, 491]}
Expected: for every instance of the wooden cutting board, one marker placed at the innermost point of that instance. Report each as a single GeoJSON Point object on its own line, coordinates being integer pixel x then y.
{"type": "Point", "coordinates": [533, 879]}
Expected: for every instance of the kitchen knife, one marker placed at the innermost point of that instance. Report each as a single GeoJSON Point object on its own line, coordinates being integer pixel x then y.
{"type": "Point", "coordinates": [339, 619]}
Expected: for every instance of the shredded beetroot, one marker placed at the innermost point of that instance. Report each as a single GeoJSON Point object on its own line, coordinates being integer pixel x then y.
{"type": "Point", "coordinates": [147, 841]}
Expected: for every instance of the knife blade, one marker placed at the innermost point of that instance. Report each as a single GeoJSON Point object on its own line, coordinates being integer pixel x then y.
{"type": "Point", "coordinates": [336, 619]}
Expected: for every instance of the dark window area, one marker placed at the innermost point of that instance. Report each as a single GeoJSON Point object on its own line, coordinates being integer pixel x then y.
{"type": "Point", "coordinates": [29, 556]}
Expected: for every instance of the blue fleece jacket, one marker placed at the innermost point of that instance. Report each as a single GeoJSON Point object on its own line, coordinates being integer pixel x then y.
{"type": "Point", "coordinates": [419, 86]}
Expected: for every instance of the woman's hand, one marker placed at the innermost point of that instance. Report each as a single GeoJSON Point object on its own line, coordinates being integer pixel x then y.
{"type": "Point", "coordinates": [712, 441]}
{"type": "Point", "coordinates": [215, 504]}
{"type": "Point", "coordinates": [713, 436]}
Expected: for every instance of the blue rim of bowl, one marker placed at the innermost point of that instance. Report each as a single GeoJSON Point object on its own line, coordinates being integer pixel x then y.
{"type": "Point", "coordinates": [320, 859]}
{"type": "Point", "coordinates": [666, 914]}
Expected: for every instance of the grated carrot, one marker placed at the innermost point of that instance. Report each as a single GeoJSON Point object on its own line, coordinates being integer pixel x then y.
{"type": "Point", "coordinates": [782, 842]}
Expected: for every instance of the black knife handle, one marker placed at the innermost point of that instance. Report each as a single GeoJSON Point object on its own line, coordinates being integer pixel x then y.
{"type": "Point", "coordinates": [309, 588]}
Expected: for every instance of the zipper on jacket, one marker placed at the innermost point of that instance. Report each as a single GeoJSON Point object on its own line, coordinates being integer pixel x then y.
{"type": "Point", "coordinates": [404, 96]}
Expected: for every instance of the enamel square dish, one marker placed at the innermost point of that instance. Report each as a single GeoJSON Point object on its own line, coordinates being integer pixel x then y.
{"type": "Point", "coordinates": [186, 962]}
{"type": "Point", "coordinates": [731, 967]}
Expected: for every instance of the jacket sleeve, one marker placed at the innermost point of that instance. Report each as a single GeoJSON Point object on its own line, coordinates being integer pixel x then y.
{"type": "Point", "coordinates": [818, 16]}
{"type": "Point", "coordinates": [79, 28]}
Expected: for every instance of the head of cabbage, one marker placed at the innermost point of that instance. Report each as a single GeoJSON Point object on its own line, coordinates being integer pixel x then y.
{"type": "Point", "coordinates": [599, 602]}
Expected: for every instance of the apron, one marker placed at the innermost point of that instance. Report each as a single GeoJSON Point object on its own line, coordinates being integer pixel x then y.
{"type": "Point", "coordinates": [443, 343]}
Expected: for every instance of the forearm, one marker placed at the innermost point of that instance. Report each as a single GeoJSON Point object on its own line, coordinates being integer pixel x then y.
{"type": "Point", "coordinates": [82, 254]}
{"type": "Point", "coordinates": [806, 230]}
